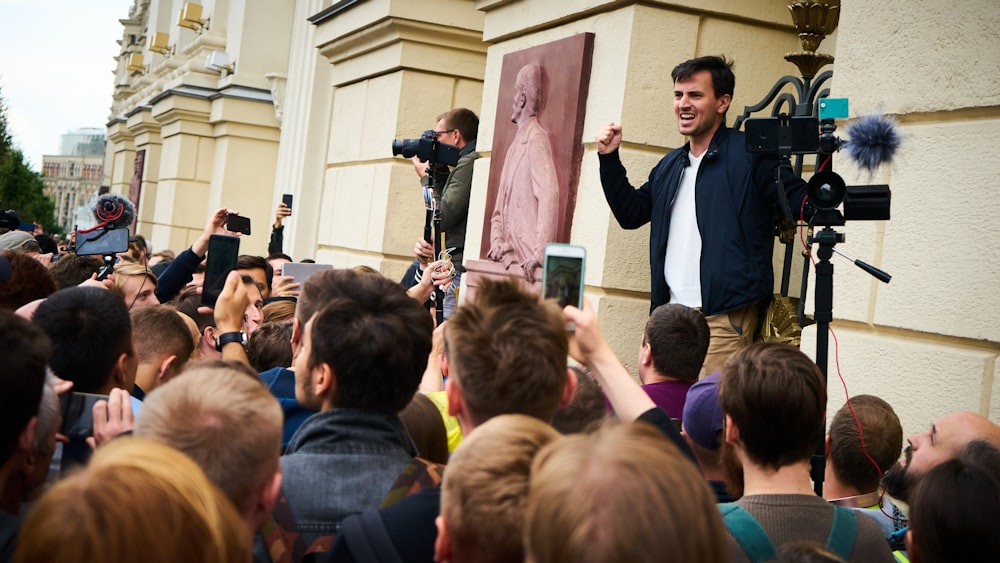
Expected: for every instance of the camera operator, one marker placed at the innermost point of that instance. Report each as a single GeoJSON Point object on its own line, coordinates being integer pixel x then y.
{"type": "Point", "coordinates": [457, 127]}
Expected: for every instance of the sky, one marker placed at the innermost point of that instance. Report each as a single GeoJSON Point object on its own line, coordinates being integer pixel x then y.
{"type": "Point", "coordinates": [56, 68]}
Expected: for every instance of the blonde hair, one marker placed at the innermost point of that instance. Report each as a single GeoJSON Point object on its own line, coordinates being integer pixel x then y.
{"type": "Point", "coordinates": [228, 423]}
{"type": "Point", "coordinates": [623, 493]}
{"type": "Point", "coordinates": [126, 270]}
{"type": "Point", "coordinates": [136, 500]}
{"type": "Point", "coordinates": [485, 487]}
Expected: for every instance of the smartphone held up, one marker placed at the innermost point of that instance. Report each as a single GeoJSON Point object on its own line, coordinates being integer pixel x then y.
{"type": "Point", "coordinates": [223, 250]}
{"type": "Point", "coordinates": [562, 273]}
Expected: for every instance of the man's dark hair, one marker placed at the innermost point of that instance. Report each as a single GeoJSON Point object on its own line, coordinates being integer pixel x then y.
{"type": "Point", "coordinates": [883, 441]}
{"type": "Point", "coordinates": [586, 410]}
{"type": "Point", "coordinates": [678, 339]}
{"type": "Point", "coordinates": [188, 301]}
{"type": "Point", "coordinates": [73, 269]}
{"type": "Point", "coordinates": [374, 337]}
{"type": "Point", "coordinates": [954, 510]}
{"type": "Point", "coordinates": [90, 329]}
{"type": "Point", "coordinates": [277, 255]}
{"type": "Point", "coordinates": [46, 244]}
{"type": "Point", "coordinates": [983, 454]}
{"type": "Point", "coordinates": [270, 346]}
{"type": "Point", "coordinates": [464, 120]}
{"type": "Point", "coordinates": [776, 397]}
{"type": "Point", "coordinates": [25, 351]}
{"type": "Point", "coordinates": [28, 280]}
{"type": "Point", "coordinates": [249, 262]}
{"type": "Point", "coordinates": [723, 79]}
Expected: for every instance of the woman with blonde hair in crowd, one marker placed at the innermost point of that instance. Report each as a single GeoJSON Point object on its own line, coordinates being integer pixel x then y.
{"type": "Point", "coordinates": [137, 500]}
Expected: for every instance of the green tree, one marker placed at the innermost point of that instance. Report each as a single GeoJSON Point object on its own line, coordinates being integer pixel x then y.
{"type": "Point", "coordinates": [21, 188]}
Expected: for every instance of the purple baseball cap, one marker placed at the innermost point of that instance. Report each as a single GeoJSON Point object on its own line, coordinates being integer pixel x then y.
{"type": "Point", "coordinates": [702, 416]}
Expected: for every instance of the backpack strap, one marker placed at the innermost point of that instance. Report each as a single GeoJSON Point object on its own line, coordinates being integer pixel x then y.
{"type": "Point", "coordinates": [368, 540]}
{"type": "Point", "coordinates": [747, 531]}
{"type": "Point", "coordinates": [416, 475]}
{"type": "Point", "coordinates": [843, 532]}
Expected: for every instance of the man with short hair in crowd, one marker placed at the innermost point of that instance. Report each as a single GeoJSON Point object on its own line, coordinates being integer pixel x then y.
{"type": "Point", "coordinates": [163, 346]}
{"type": "Point", "coordinates": [212, 338]}
{"type": "Point", "coordinates": [947, 438]}
{"type": "Point", "coordinates": [359, 360]}
{"type": "Point", "coordinates": [229, 424]}
{"type": "Point", "coordinates": [257, 268]}
{"type": "Point", "coordinates": [27, 482]}
{"type": "Point", "coordinates": [857, 458]}
{"type": "Point", "coordinates": [26, 352]}
{"type": "Point", "coordinates": [73, 269]}
{"type": "Point", "coordinates": [504, 353]}
{"type": "Point", "coordinates": [487, 482]}
{"type": "Point", "coordinates": [91, 336]}
{"type": "Point", "coordinates": [774, 400]}
{"type": "Point", "coordinates": [674, 344]}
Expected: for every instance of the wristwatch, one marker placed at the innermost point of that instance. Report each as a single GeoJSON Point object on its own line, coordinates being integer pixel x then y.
{"type": "Point", "coordinates": [228, 337]}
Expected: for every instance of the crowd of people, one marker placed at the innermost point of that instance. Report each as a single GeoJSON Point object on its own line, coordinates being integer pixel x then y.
{"type": "Point", "coordinates": [332, 418]}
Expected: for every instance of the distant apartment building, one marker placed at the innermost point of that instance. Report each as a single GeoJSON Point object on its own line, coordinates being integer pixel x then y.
{"type": "Point", "coordinates": [73, 177]}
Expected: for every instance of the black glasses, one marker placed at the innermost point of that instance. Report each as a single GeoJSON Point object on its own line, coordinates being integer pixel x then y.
{"type": "Point", "coordinates": [439, 133]}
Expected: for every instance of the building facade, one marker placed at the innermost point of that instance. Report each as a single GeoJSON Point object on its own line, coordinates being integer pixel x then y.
{"type": "Point", "coordinates": [320, 88]}
{"type": "Point", "coordinates": [73, 177]}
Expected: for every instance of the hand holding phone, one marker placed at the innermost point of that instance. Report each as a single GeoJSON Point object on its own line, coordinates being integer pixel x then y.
{"type": "Point", "coordinates": [287, 200]}
{"type": "Point", "coordinates": [562, 273]}
{"type": "Point", "coordinates": [223, 250]}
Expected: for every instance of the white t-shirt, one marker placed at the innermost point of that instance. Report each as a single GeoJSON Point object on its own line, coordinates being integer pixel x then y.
{"type": "Point", "coordinates": [682, 267]}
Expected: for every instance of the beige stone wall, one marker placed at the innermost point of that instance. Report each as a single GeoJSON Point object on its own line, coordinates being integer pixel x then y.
{"type": "Point", "coordinates": [928, 341]}
{"type": "Point", "coordinates": [391, 72]}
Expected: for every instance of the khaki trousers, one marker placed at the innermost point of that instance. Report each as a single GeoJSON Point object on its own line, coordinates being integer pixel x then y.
{"type": "Point", "coordinates": [730, 332]}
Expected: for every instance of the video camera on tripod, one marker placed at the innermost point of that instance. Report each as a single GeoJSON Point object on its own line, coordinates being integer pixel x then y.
{"type": "Point", "coordinates": [872, 142]}
{"type": "Point", "coordinates": [430, 150]}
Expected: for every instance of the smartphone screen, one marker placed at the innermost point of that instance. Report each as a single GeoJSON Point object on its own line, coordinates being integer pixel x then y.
{"type": "Point", "coordinates": [222, 253]}
{"type": "Point", "coordinates": [562, 274]}
{"type": "Point", "coordinates": [102, 241]}
{"type": "Point", "coordinates": [78, 414]}
{"type": "Point", "coordinates": [287, 200]}
{"type": "Point", "coordinates": [238, 224]}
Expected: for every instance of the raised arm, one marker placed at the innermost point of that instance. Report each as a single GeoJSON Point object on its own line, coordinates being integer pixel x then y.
{"type": "Point", "coordinates": [588, 346]}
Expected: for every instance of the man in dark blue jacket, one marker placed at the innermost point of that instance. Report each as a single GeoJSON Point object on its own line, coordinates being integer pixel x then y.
{"type": "Point", "coordinates": [711, 206]}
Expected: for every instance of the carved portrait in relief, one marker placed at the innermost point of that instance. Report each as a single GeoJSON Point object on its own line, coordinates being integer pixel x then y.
{"type": "Point", "coordinates": [537, 150]}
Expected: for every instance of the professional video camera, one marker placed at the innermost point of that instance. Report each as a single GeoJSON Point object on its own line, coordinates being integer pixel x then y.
{"type": "Point", "coordinates": [427, 148]}
{"type": "Point", "coordinates": [873, 141]}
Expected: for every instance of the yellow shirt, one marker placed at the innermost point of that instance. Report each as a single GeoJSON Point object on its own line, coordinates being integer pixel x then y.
{"type": "Point", "coordinates": [440, 400]}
